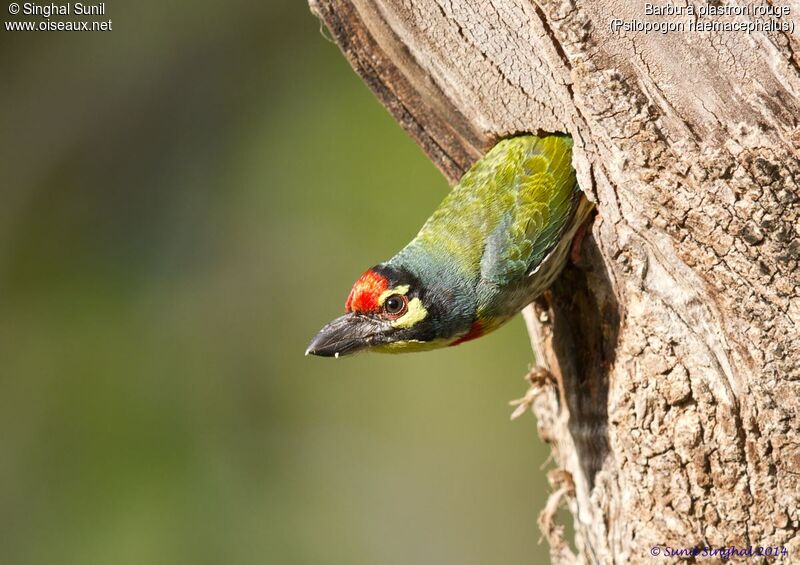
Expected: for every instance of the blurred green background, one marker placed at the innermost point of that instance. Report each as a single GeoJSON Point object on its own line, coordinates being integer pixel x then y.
{"type": "Point", "coordinates": [185, 200]}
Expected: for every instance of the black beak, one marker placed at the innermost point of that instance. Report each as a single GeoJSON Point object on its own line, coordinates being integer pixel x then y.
{"type": "Point", "coordinates": [347, 334]}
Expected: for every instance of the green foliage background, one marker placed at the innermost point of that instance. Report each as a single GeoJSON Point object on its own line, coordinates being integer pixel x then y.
{"type": "Point", "coordinates": [185, 200]}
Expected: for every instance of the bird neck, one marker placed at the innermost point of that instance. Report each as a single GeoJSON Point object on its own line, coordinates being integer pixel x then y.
{"type": "Point", "coordinates": [448, 289]}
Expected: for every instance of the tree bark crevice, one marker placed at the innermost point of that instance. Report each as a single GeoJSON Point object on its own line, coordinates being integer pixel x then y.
{"type": "Point", "coordinates": [674, 342]}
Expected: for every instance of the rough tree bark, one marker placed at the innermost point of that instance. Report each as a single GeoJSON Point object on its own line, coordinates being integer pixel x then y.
{"type": "Point", "coordinates": [675, 412]}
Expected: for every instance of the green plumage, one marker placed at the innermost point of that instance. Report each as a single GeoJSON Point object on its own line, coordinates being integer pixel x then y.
{"type": "Point", "coordinates": [506, 215]}
{"type": "Point", "coordinates": [508, 210]}
{"type": "Point", "coordinates": [495, 243]}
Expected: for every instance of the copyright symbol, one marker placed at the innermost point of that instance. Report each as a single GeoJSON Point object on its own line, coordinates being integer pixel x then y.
{"type": "Point", "coordinates": [13, 9]}
{"type": "Point", "coordinates": [655, 551]}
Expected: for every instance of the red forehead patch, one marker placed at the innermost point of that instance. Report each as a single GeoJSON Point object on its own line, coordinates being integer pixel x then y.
{"type": "Point", "coordinates": [365, 293]}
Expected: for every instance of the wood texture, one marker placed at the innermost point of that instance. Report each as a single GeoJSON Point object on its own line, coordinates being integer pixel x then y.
{"type": "Point", "coordinates": [674, 344]}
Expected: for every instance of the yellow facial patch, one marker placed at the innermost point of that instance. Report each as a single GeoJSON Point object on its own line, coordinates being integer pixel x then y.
{"type": "Point", "coordinates": [416, 313]}
{"type": "Point", "coordinates": [402, 289]}
{"type": "Point", "coordinates": [409, 345]}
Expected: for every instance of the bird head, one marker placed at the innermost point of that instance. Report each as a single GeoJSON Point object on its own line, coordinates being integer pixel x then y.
{"type": "Point", "coordinates": [388, 310]}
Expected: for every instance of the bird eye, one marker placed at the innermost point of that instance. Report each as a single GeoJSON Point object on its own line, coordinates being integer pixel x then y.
{"type": "Point", "coordinates": [396, 305]}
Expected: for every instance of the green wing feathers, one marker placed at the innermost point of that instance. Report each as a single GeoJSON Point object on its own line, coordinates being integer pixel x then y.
{"type": "Point", "coordinates": [508, 211]}
{"type": "Point", "coordinates": [541, 182]}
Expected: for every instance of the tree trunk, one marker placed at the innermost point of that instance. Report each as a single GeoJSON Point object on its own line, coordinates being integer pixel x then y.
{"type": "Point", "coordinates": [674, 415]}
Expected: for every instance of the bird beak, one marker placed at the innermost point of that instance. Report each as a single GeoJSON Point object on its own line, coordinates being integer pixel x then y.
{"type": "Point", "coordinates": [347, 334]}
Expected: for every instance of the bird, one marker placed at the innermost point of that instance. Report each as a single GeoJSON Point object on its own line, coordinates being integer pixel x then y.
{"type": "Point", "coordinates": [496, 242]}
